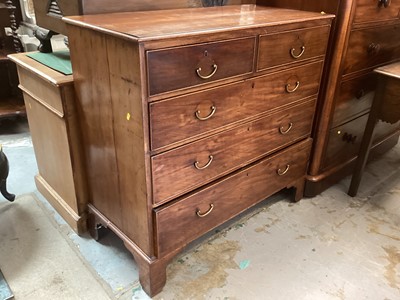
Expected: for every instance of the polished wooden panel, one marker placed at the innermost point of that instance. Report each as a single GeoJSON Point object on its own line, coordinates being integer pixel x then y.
{"type": "Point", "coordinates": [170, 69]}
{"type": "Point", "coordinates": [275, 49]}
{"type": "Point", "coordinates": [372, 11]}
{"type": "Point", "coordinates": [372, 47]}
{"type": "Point", "coordinates": [103, 108]}
{"type": "Point", "coordinates": [174, 119]}
{"type": "Point", "coordinates": [177, 224]}
{"type": "Point", "coordinates": [53, 122]}
{"type": "Point", "coordinates": [355, 98]}
{"type": "Point", "coordinates": [174, 171]}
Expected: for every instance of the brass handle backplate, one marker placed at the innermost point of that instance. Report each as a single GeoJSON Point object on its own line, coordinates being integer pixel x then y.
{"type": "Point", "coordinates": [294, 89]}
{"type": "Point", "coordinates": [285, 131]}
{"type": "Point", "coordinates": [201, 215]}
{"type": "Point", "coordinates": [197, 114]}
{"type": "Point", "coordinates": [373, 48]}
{"type": "Point", "coordinates": [384, 3]}
{"type": "Point", "coordinates": [303, 49]}
{"type": "Point", "coordinates": [281, 173]}
{"type": "Point", "coordinates": [196, 164]}
{"type": "Point", "coordinates": [198, 71]}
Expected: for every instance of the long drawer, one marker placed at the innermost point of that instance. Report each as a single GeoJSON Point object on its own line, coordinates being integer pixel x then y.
{"type": "Point", "coordinates": [291, 46]}
{"type": "Point", "coordinates": [181, 222]}
{"type": "Point", "coordinates": [185, 168]}
{"type": "Point", "coordinates": [344, 141]}
{"type": "Point", "coordinates": [376, 10]}
{"type": "Point", "coordinates": [372, 47]}
{"type": "Point", "coordinates": [180, 118]}
{"type": "Point", "coordinates": [176, 68]}
{"type": "Point", "coordinates": [355, 98]}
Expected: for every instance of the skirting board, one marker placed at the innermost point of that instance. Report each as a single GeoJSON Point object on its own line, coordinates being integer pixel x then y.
{"type": "Point", "coordinates": [77, 222]}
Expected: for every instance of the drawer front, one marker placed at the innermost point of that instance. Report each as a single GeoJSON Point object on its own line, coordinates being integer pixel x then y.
{"type": "Point", "coordinates": [292, 46]}
{"type": "Point", "coordinates": [177, 119]}
{"type": "Point", "coordinates": [180, 170]}
{"type": "Point", "coordinates": [376, 10]}
{"type": "Point", "coordinates": [344, 141]}
{"type": "Point", "coordinates": [47, 94]}
{"type": "Point", "coordinates": [355, 97]}
{"type": "Point", "coordinates": [178, 224]}
{"type": "Point", "coordinates": [176, 68]}
{"type": "Point", "coordinates": [371, 47]}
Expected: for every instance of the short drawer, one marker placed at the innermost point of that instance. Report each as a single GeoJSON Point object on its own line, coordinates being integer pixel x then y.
{"type": "Point", "coordinates": [44, 92]}
{"type": "Point", "coordinates": [344, 141]}
{"type": "Point", "coordinates": [185, 220]}
{"type": "Point", "coordinates": [180, 118]}
{"type": "Point", "coordinates": [176, 68]}
{"type": "Point", "coordinates": [372, 47]}
{"type": "Point", "coordinates": [376, 10]}
{"type": "Point", "coordinates": [292, 46]}
{"type": "Point", "coordinates": [355, 98]}
{"type": "Point", "coordinates": [180, 170]}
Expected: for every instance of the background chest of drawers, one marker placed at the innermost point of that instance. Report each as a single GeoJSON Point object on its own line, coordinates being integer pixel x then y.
{"type": "Point", "coordinates": [366, 34]}
{"type": "Point", "coordinates": [192, 116]}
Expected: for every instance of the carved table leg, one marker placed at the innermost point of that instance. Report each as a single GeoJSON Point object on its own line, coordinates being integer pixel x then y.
{"type": "Point", "coordinates": [3, 176]}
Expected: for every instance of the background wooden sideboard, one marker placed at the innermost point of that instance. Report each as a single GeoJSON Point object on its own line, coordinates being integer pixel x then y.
{"type": "Point", "coordinates": [365, 34]}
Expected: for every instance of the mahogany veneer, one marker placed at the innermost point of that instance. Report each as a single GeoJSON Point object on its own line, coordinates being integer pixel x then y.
{"type": "Point", "coordinates": [190, 117]}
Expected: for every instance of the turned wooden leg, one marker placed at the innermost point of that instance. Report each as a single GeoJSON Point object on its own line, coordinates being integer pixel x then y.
{"type": "Point", "coordinates": [299, 189]}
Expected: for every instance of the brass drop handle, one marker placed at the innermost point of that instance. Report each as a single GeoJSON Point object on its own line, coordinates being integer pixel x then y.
{"type": "Point", "coordinates": [295, 56]}
{"type": "Point", "coordinates": [201, 215]}
{"type": "Point", "coordinates": [197, 114]}
{"type": "Point", "coordinates": [198, 71]}
{"type": "Point", "coordinates": [285, 131]}
{"type": "Point", "coordinates": [281, 173]}
{"type": "Point", "coordinates": [294, 89]}
{"type": "Point", "coordinates": [384, 3]}
{"type": "Point", "coordinates": [196, 164]}
{"type": "Point", "coordinates": [373, 48]}
{"type": "Point", "coordinates": [360, 94]}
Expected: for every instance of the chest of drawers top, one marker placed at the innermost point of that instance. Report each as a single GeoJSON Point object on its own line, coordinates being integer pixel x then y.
{"type": "Point", "coordinates": [195, 22]}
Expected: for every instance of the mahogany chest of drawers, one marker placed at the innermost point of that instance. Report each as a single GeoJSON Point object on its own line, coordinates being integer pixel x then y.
{"type": "Point", "coordinates": [191, 116]}
{"type": "Point", "coordinates": [365, 35]}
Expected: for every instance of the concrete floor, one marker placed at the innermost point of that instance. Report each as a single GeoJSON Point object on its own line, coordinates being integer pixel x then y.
{"type": "Point", "coordinates": [328, 247]}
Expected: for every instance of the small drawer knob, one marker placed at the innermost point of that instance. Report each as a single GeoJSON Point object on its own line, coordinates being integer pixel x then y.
{"type": "Point", "coordinates": [281, 172]}
{"type": "Point", "coordinates": [282, 130]}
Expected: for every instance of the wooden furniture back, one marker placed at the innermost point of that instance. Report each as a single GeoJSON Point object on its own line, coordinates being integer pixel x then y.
{"type": "Point", "coordinates": [49, 12]}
